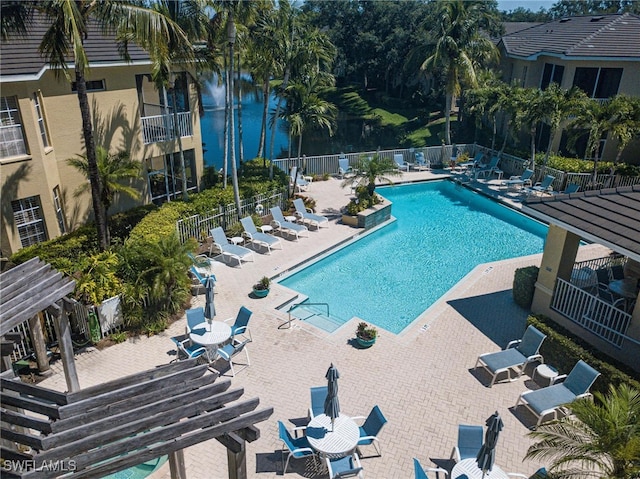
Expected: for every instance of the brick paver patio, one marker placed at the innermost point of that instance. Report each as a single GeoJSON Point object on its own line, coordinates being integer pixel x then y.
{"type": "Point", "coordinates": [423, 379]}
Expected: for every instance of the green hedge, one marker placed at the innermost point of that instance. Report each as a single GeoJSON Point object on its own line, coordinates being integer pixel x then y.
{"type": "Point", "coordinates": [562, 350]}
{"type": "Point", "coordinates": [576, 165]}
{"type": "Point", "coordinates": [524, 284]}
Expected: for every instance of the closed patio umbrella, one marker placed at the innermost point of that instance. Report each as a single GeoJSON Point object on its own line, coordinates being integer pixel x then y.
{"type": "Point", "coordinates": [331, 403]}
{"type": "Point", "coordinates": [487, 454]}
{"type": "Point", "coordinates": [209, 307]}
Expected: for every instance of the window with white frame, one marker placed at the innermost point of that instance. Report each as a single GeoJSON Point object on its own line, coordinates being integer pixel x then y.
{"type": "Point", "coordinates": [57, 204]}
{"type": "Point", "coordinates": [37, 102]}
{"type": "Point", "coordinates": [11, 135]}
{"type": "Point", "coordinates": [27, 216]}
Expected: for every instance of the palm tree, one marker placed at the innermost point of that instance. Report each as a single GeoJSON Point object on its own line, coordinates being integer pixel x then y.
{"type": "Point", "coordinates": [560, 104]}
{"type": "Point", "coordinates": [625, 123]}
{"type": "Point", "coordinates": [601, 439]}
{"type": "Point", "coordinates": [459, 46]}
{"type": "Point", "coordinates": [112, 168]}
{"type": "Point", "coordinates": [68, 25]}
{"type": "Point", "coordinates": [531, 109]}
{"type": "Point", "coordinates": [372, 169]}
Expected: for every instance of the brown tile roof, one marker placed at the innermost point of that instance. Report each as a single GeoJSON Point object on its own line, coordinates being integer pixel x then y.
{"type": "Point", "coordinates": [20, 56]}
{"type": "Point", "coordinates": [610, 217]}
{"type": "Point", "coordinates": [609, 36]}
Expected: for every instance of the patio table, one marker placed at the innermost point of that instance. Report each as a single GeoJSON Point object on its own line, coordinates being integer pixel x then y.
{"type": "Point", "coordinates": [469, 469]}
{"type": "Point", "coordinates": [336, 442]}
{"type": "Point", "coordinates": [210, 335]}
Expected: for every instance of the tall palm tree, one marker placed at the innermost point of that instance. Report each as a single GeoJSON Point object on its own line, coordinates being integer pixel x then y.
{"type": "Point", "coordinates": [601, 439]}
{"type": "Point", "coordinates": [531, 110]}
{"type": "Point", "coordinates": [559, 104]}
{"type": "Point", "coordinates": [625, 122]}
{"type": "Point", "coordinates": [68, 26]}
{"type": "Point", "coordinates": [113, 169]}
{"type": "Point", "coordinates": [459, 47]}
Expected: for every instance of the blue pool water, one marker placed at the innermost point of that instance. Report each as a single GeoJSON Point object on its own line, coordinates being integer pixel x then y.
{"type": "Point", "coordinates": [391, 276]}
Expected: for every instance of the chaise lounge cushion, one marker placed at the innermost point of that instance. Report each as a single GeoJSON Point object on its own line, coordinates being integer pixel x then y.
{"type": "Point", "coordinates": [544, 399]}
{"type": "Point", "coordinates": [503, 359]}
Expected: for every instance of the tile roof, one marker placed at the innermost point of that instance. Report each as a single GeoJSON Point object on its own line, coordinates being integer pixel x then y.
{"type": "Point", "coordinates": [610, 217]}
{"type": "Point", "coordinates": [609, 36]}
{"type": "Point", "coordinates": [22, 60]}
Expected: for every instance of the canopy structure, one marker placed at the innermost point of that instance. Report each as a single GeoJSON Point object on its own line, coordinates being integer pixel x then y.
{"type": "Point", "coordinates": [27, 290]}
{"type": "Point", "coordinates": [119, 424]}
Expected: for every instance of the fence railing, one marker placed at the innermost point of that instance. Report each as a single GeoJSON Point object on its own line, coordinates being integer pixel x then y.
{"type": "Point", "coordinates": [198, 226]}
{"type": "Point", "coordinates": [604, 262]}
{"type": "Point", "coordinates": [591, 312]}
{"type": "Point", "coordinates": [158, 128]}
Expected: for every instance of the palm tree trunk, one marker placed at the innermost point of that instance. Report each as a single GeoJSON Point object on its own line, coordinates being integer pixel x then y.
{"type": "Point", "coordinates": [552, 135]}
{"type": "Point", "coordinates": [232, 136]}
{"type": "Point", "coordinates": [227, 107]}
{"type": "Point", "coordinates": [447, 118]}
{"type": "Point", "coordinates": [240, 147]}
{"type": "Point", "coordinates": [263, 128]}
{"type": "Point", "coordinates": [285, 81]}
{"type": "Point", "coordinates": [92, 165]}
{"type": "Point", "coordinates": [495, 132]}
{"type": "Point", "coordinates": [176, 132]}
{"type": "Point", "coordinates": [533, 148]}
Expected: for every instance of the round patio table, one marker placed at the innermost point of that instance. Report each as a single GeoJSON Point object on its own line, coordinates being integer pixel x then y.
{"type": "Point", "coordinates": [469, 468]}
{"type": "Point", "coordinates": [336, 442]}
{"type": "Point", "coordinates": [210, 335]}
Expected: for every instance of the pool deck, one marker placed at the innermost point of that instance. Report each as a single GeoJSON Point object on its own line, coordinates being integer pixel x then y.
{"type": "Point", "coordinates": [423, 379]}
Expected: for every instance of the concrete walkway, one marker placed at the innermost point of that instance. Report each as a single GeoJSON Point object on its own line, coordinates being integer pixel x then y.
{"type": "Point", "coordinates": [423, 379]}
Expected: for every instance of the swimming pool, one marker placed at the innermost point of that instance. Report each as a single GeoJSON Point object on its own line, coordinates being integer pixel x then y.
{"type": "Point", "coordinates": [391, 276]}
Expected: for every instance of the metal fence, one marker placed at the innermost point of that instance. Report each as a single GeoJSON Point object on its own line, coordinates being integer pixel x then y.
{"type": "Point", "coordinates": [198, 226]}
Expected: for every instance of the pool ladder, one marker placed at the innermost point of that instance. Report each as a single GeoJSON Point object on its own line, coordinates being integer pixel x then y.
{"type": "Point", "coordinates": [301, 303]}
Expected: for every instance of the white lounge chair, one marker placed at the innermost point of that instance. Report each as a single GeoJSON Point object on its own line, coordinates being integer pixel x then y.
{"type": "Point", "coordinates": [519, 181]}
{"type": "Point", "coordinates": [399, 160]}
{"type": "Point", "coordinates": [279, 223]}
{"type": "Point", "coordinates": [490, 169]}
{"type": "Point", "coordinates": [256, 237]}
{"type": "Point", "coordinates": [306, 216]}
{"type": "Point", "coordinates": [226, 249]}
{"type": "Point", "coordinates": [343, 167]}
{"type": "Point", "coordinates": [545, 186]}
{"type": "Point", "coordinates": [421, 162]}
{"type": "Point", "coordinates": [300, 182]}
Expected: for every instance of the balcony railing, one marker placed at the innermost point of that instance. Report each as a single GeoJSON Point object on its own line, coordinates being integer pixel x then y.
{"type": "Point", "coordinates": [158, 128]}
{"type": "Point", "coordinates": [591, 312]}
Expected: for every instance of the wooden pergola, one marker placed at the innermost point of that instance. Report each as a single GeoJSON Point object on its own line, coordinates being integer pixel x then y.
{"type": "Point", "coordinates": [122, 423]}
{"type": "Point", "coordinates": [112, 426]}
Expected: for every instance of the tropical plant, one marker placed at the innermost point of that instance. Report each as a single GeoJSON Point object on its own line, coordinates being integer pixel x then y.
{"type": "Point", "coordinates": [67, 28]}
{"type": "Point", "coordinates": [368, 170]}
{"type": "Point", "coordinates": [460, 46]}
{"type": "Point", "coordinates": [366, 332]}
{"type": "Point", "coordinates": [112, 169]}
{"type": "Point", "coordinates": [263, 284]}
{"type": "Point", "coordinates": [531, 109]}
{"type": "Point", "coordinates": [625, 122]}
{"type": "Point", "coordinates": [96, 278]}
{"type": "Point", "coordinates": [601, 439]}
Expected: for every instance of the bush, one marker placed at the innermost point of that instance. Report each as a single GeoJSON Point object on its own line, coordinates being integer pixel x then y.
{"type": "Point", "coordinates": [524, 281]}
{"type": "Point", "coordinates": [562, 349]}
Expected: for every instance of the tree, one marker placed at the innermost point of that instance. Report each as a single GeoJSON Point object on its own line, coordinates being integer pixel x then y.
{"type": "Point", "coordinates": [372, 169]}
{"type": "Point", "coordinates": [485, 100]}
{"type": "Point", "coordinates": [112, 169]}
{"type": "Point", "coordinates": [459, 47]}
{"type": "Point", "coordinates": [67, 27]}
{"type": "Point", "coordinates": [601, 439]}
{"type": "Point", "coordinates": [625, 122]}
{"type": "Point", "coordinates": [531, 109]}
{"type": "Point", "coordinates": [559, 105]}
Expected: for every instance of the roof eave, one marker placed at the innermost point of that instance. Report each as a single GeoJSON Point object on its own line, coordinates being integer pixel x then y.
{"type": "Point", "coordinates": [38, 75]}
{"type": "Point", "coordinates": [563, 56]}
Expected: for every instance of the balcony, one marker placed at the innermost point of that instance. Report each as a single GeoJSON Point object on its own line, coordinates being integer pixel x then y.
{"type": "Point", "coordinates": [159, 128]}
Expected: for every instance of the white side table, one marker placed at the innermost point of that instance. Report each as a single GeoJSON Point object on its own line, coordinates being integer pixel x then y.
{"type": "Point", "coordinates": [290, 219]}
{"type": "Point", "coordinates": [548, 372]}
{"type": "Point", "coordinates": [237, 240]}
{"type": "Point", "coordinates": [266, 228]}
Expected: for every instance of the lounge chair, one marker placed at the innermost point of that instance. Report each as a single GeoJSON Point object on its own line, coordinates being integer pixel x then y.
{"type": "Point", "coordinates": [343, 167]}
{"type": "Point", "coordinates": [570, 188]}
{"type": "Point", "coordinates": [550, 400]}
{"type": "Point", "coordinates": [306, 216]}
{"type": "Point", "coordinates": [399, 160]}
{"type": "Point", "coordinates": [300, 182]}
{"type": "Point", "coordinates": [421, 162]}
{"type": "Point", "coordinates": [221, 243]}
{"type": "Point", "coordinates": [470, 439]}
{"type": "Point", "coordinates": [256, 237]}
{"type": "Point", "coordinates": [490, 169]}
{"type": "Point", "coordinates": [421, 473]}
{"type": "Point", "coordinates": [515, 356]}
{"type": "Point", "coordinates": [298, 447]}
{"type": "Point", "coordinates": [519, 181]}
{"type": "Point", "coordinates": [545, 186]}
{"type": "Point", "coordinates": [348, 466]}
{"type": "Point", "coordinates": [279, 223]}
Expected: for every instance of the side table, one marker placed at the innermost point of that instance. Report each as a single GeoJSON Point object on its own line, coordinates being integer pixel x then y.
{"type": "Point", "coordinates": [548, 372]}
{"type": "Point", "coordinates": [266, 228]}
{"type": "Point", "coordinates": [237, 240]}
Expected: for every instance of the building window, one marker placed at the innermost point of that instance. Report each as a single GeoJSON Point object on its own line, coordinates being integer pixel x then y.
{"type": "Point", "coordinates": [57, 203]}
{"type": "Point", "coordinates": [37, 101]}
{"type": "Point", "coordinates": [165, 176]}
{"type": "Point", "coordinates": [551, 74]}
{"type": "Point", "coordinates": [598, 82]}
{"type": "Point", "coordinates": [28, 219]}
{"type": "Point", "coordinates": [92, 85]}
{"type": "Point", "coordinates": [11, 135]}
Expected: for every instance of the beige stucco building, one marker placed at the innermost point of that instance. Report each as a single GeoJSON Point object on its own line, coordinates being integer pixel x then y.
{"type": "Point", "coordinates": [41, 128]}
{"type": "Point", "coordinates": [598, 53]}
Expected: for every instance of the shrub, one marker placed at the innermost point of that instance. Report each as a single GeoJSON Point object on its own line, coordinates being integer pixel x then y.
{"type": "Point", "coordinates": [524, 281]}
{"type": "Point", "coordinates": [562, 349]}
